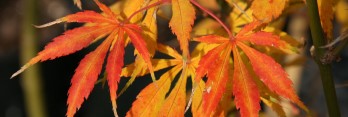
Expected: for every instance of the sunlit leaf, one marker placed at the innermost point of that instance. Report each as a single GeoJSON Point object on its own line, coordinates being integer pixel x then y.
{"type": "Point", "coordinates": [151, 98]}
{"type": "Point", "coordinates": [272, 74]}
{"type": "Point", "coordinates": [182, 21]}
{"type": "Point", "coordinates": [267, 10]}
{"type": "Point", "coordinates": [86, 75]}
{"type": "Point", "coordinates": [246, 94]}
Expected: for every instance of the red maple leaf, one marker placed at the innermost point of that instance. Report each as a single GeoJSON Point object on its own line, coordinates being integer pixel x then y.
{"type": "Point", "coordinates": [246, 95]}
{"type": "Point", "coordinates": [88, 70]}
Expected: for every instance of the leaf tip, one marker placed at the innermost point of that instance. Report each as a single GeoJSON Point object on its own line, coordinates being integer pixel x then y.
{"type": "Point", "coordinates": [19, 71]}
{"type": "Point", "coordinates": [49, 24]}
{"type": "Point", "coordinates": [114, 108]}
{"type": "Point", "coordinates": [15, 74]}
{"type": "Point", "coordinates": [78, 4]}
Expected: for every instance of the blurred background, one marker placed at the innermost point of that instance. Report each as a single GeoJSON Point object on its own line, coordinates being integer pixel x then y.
{"type": "Point", "coordinates": [43, 91]}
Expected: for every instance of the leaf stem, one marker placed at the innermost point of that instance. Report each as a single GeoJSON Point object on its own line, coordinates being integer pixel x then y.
{"type": "Point", "coordinates": [145, 8]}
{"type": "Point", "coordinates": [325, 69]}
{"type": "Point", "coordinates": [215, 17]}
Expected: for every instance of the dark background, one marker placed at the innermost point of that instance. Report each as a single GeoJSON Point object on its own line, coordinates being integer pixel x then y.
{"type": "Point", "coordinates": [56, 74]}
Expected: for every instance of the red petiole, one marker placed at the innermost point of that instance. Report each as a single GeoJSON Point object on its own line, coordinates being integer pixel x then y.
{"type": "Point", "coordinates": [145, 8]}
{"type": "Point", "coordinates": [215, 17]}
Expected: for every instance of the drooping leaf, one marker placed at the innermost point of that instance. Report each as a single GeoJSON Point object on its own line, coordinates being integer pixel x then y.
{"type": "Point", "coordinates": [88, 16]}
{"type": "Point", "coordinates": [245, 91]}
{"type": "Point", "coordinates": [141, 62]}
{"type": "Point", "coordinates": [114, 67]}
{"type": "Point", "coordinates": [182, 21]}
{"type": "Point", "coordinates": [70, 42]}
{"type": "Point", "coordinates": [86, 75]}
{"type": "Point", "coordinates": [272, 74]}
{"type": "Point", "coordinates": [82, 17]}
{"type": "Point", "coordinates": [226, 104]}
{"type": "Point", "coordinates": [140, 46]}
{"type": "Point", "coordinates": [216, 84]}
{"type": "Point", "coordinates": [90, 67]}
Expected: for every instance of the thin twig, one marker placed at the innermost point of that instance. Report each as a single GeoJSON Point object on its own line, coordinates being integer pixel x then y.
{"type": "Point", "coordinates": [145, 8]}
{"type": "Point", "coordinates": [215, 17]}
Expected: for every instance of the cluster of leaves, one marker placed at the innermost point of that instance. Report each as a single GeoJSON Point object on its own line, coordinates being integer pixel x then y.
{"type": "Point", "coordinates": [235, 70]}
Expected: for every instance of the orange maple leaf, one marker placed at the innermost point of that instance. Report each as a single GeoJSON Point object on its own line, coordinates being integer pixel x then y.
{"type": "Point", "coordinates": [247, 97]}
{"type": "Point", "coordinates": [90, 66]}
{"type": "Point", "coordinates": [267, 10]}
{"type": "Point", "coordinates": [152, 100]}
{"type": "Point", "coordinates": [246, 94]}
{"type": "Point", "coordinates": [182, 21]}
{"type": "Point", "coordinates": [326, 13]}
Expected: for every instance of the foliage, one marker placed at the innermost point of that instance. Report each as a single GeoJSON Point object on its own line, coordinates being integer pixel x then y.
{"type": "Point", "coordinates": [229, 57]}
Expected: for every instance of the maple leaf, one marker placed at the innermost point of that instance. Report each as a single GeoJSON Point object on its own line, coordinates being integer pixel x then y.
{"type": "Point", "coordinates": [90, 66]}
{"type": "Point", "coordinates": [241, 15]}
{"type": "Point", "coordinates": [217, 79]}
{"type": "Point", "coordinates": [113, 67]}
{"type": "Point", "coordinates": [249, 83]}
{"type": "Point", "coordinates": [86, 75]}
{"type": "Point", "coordinates": [267, 10]}
{"type": "Point", "coordinates": [326, 14]}
{"type": "Point", "coordinates": [150, 35]}
{"type": "Point", "coordinates": [152, 100]}
{"type": "Point", "coordinates": [182, 21]}
{"type": "Point", "coordinates": [226, 103]}
{"type": "Point", "coordinates": [245, 87]}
